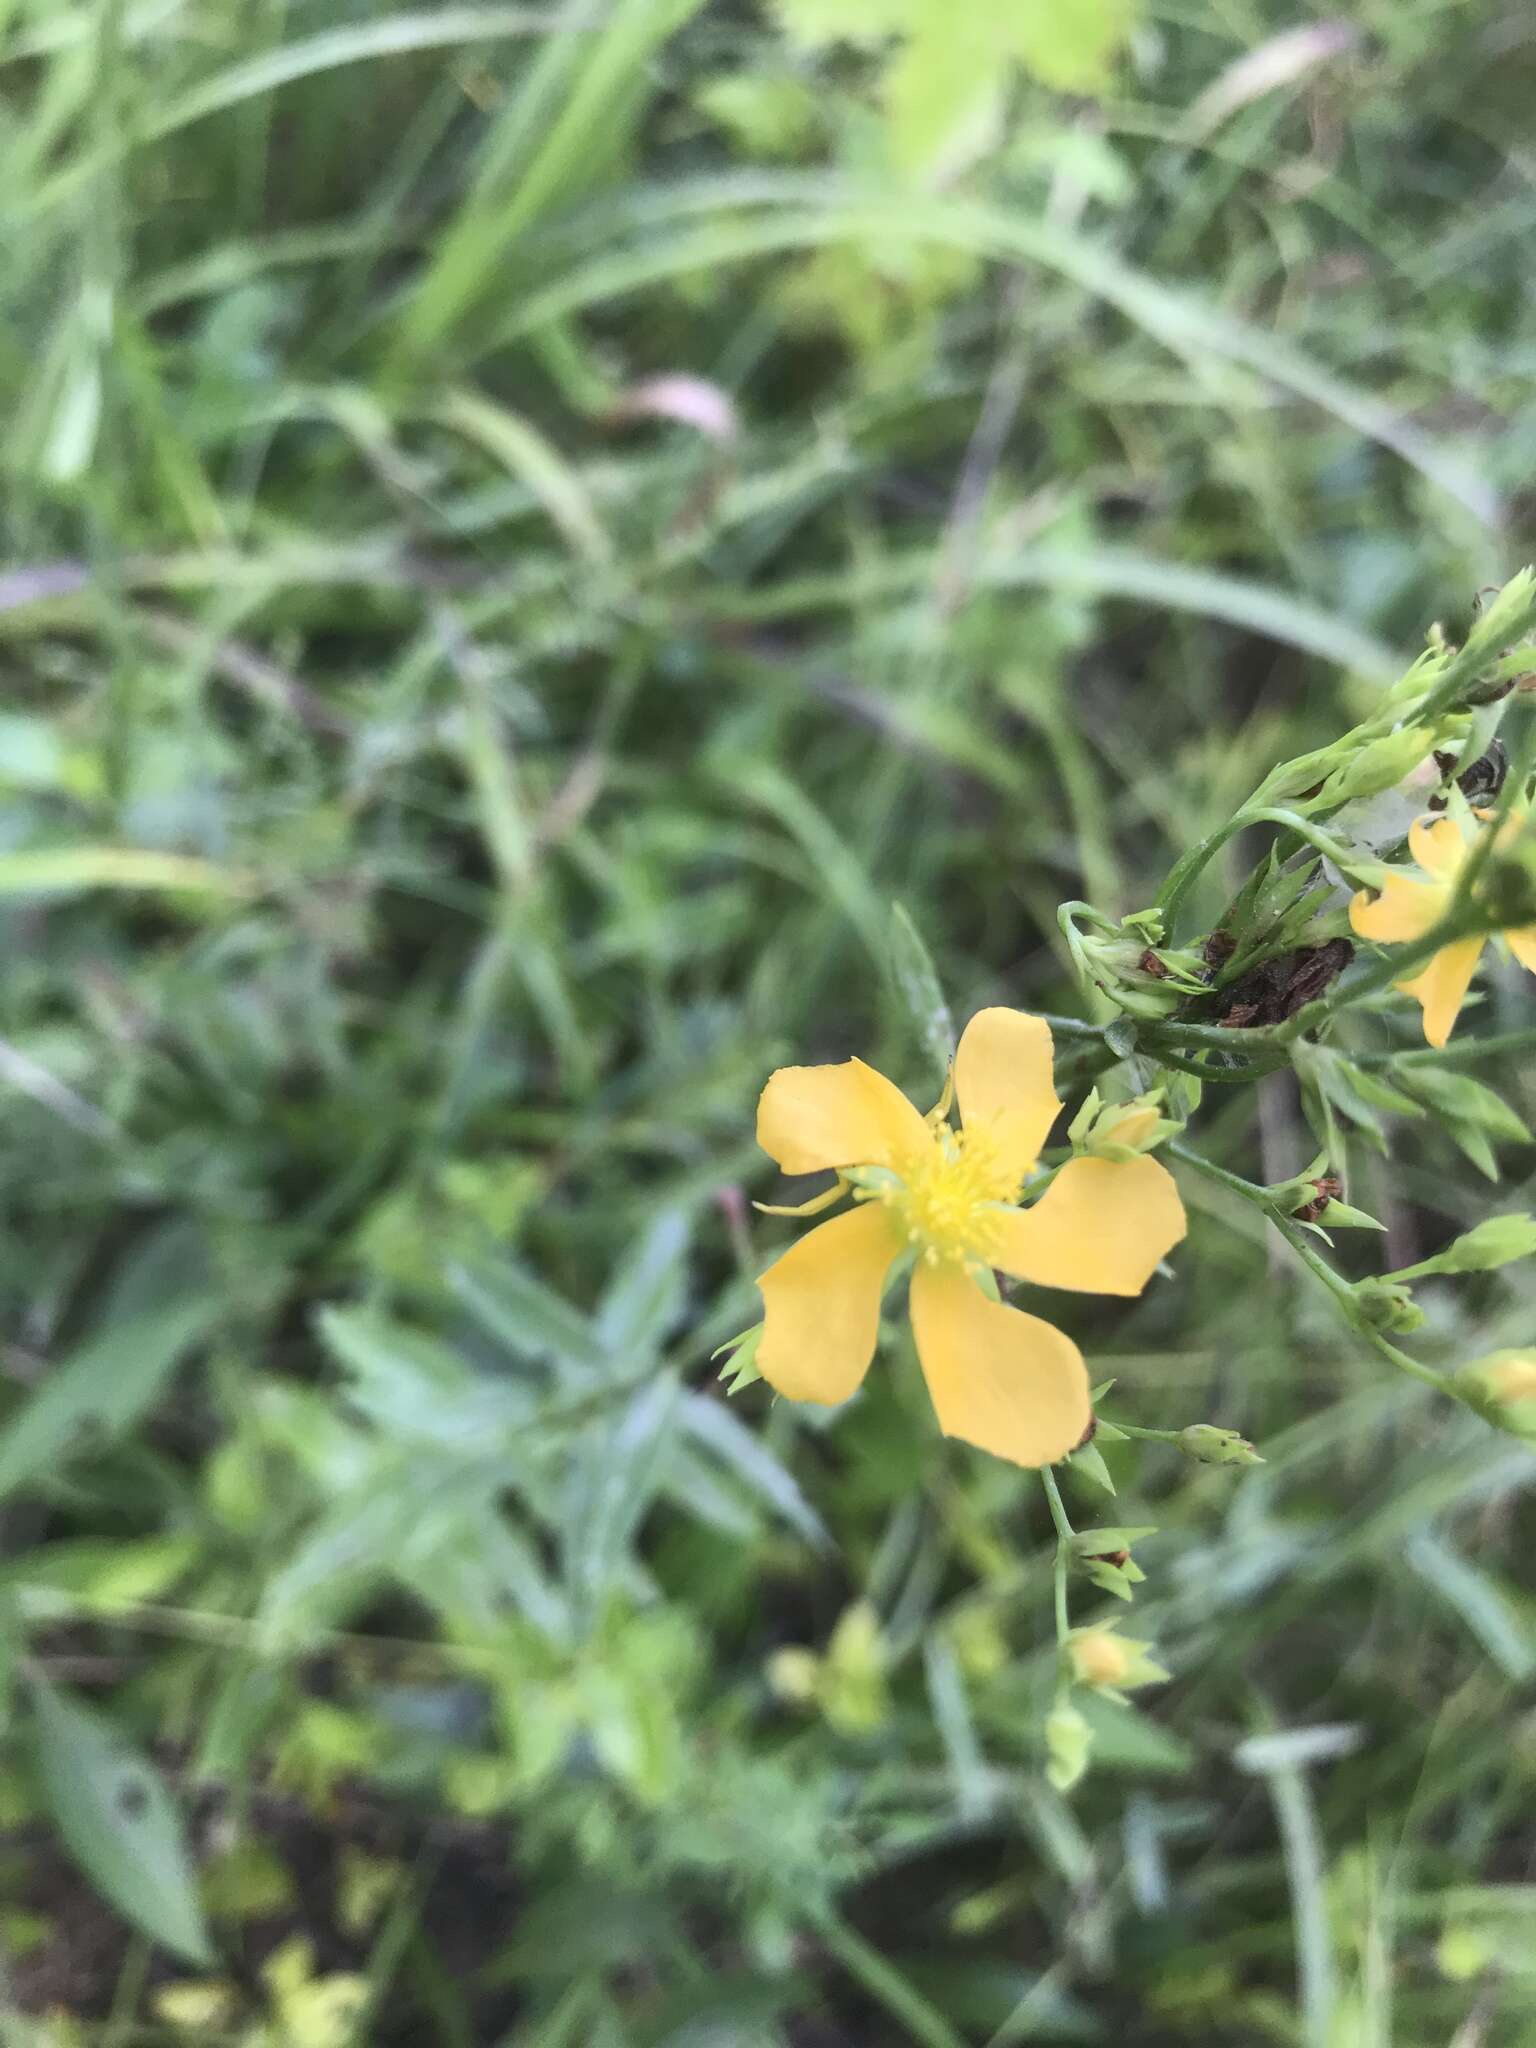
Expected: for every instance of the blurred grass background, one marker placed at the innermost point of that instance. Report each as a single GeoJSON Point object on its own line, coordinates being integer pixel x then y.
{"type": "Point", "coordinates": [525, 530]}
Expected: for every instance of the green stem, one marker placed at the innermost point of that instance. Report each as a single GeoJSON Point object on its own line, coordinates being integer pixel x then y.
{"type": "Point", "coordinates": [1341, 1290]}
{"type": "Point", "coordinates": [884, 1983]}
{"type": "Point", "coordinates": [1149, 1436]}
{"type": "Point", "coordinates": [1187, 869]}
{"type": "Point", "coordinates": [1466, 1054]}
{"type": "Point", "coordinates": [1063, 1550]}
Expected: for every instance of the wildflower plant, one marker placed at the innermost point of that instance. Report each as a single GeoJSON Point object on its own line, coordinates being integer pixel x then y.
{"type": "Point", "coordinates": [1395, 865]}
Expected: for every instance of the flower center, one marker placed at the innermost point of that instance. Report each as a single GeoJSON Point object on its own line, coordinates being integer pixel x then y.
{"type": "Point", "coordinates": [945, 1195]}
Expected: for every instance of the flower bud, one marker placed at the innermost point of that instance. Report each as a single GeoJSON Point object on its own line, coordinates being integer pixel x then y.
{"type": "Point", "coordinates": [1326, 1188]}
{"type": "Point", "coordinates": [1498, 1242]}
{"type": "Point", "coordinates": [1380, 764]}
{"type": "Point", "coordinates": [1385, 1305]}
{"type": "Point", "coordinates": [1121, 1131]}
{"type": "Point", "coordinates": [1502, 1388]}
{"type": "Point", "coordinates": [1099, 1658]}
{"type": "Point", "coordinates": [794, 1673]}
{"type": "Point", "coordinates": [1068, 1743]}
{"type": "Point", "coordinates": [1208, 1445]}
{"type": "Point", "coordinates": [1107, 1662]}
{"type": "Point", "coordinates": [1144, 981]}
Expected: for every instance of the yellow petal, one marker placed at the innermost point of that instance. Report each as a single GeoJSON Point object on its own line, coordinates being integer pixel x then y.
{"type": "Point", "coordinates": [822, 1306]}
{"type": "Point", "coordinates": [1405, 909]}
{"type": "Point", "coordinates": [809, 1118]}
{"type": "Point", "coordinates": [1100, 1228]}
{"type": "Point", "coordinates": [1438, 847]}
{"type": "Point", "coordinates": [1442, 988]}
{"type": "Point", "coordinates": [1003, 1081]}
{"type": "Point", "coordinates": [1523, 945]}
{"type": "Point", "coordinates": [1000, 1379]}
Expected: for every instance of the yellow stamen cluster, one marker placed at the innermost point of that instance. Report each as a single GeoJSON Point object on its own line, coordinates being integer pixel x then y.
{"type": "Point", "coordinates": [945, 1196]}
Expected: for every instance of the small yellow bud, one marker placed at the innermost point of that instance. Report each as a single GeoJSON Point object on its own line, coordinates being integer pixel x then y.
{"type": "Point", "coordinates": [1107, 1662]}
{"type": "Point", "coordinates": [1121, 1131]}
{"type": "Point", "coordinates": [1134, 1129]}
{"type": "Point", "coordinates": [794, 1673]}
{"type": "Point", "coordinates": [1511, 1377]}
{"type": "Point", "coordinates": [1503, 1391]}
{"type": "Point", "coordinates": [1099, 1658]}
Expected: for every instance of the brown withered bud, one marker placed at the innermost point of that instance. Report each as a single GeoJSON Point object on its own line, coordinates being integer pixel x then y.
{"type": "Point", "coordinates": [1480, 783]}
{"type": "Point", "coordinates": [1314, 967]}
{"type": "Point", "coordinates": [1278, 988]}
{"type": "Point", "coordinates": [1329, 1189]}
{"type": "Point", "coordinates": [1150, 964]}
{"type": "Point", "coordinates": [1219, 948]}
{"type": "Point", "coordinates": [1110, 1557]}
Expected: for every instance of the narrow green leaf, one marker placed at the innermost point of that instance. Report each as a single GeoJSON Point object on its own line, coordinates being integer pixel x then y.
{"type": "Point", "coordinates": [68, 870]}
{"type": "Point", "coordinates": [917, 980]}
{"type": "Point", "coordinates": [119, 1823]}
{"type": "Point", "coordinates": [644, 1299]}
{"type": "Point", "coordinates": [101, 1389]}
{"type": "Point", "coordinates": [1480, 1602]}
{"type": "Point", "coordinates": [613, 1482]}
{"type": "Point", "coordinates": [530, 1319]}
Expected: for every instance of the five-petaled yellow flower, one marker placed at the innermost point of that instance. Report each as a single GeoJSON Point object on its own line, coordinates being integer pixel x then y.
{"type": "Point", "coordinates": [999, 1378]}
{"type": "Point", "coordinates": [1411, 905]}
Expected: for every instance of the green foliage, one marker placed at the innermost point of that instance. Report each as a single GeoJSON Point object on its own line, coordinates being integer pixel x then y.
{"type": "Point", "coordinates": [444, 773]}
{"type": "Point", "coordinates": [118, 1822]}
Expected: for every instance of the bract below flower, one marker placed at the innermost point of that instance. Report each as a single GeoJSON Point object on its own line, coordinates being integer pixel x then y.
{"type": "Point", "coordinates": [1004, 1380]}
{"type": "Point", "coordinates": [1411, 905]}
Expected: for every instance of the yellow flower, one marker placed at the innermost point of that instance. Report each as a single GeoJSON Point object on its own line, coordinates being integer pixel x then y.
{"type": "Point", "coordinates": [1410, 905]}
{"type": "Point", "coordinates": [999, 1378]}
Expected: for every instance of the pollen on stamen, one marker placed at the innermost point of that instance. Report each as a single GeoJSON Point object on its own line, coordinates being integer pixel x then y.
{"type": "Point", "coordinates": [947, 1195]}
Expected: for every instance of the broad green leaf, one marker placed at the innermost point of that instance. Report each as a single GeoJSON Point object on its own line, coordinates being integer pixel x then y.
{"type": "Point", "coordinates": [1069, 44]}
{"type": "Point", "coordinates": [943, 97]}
{"type": "Point", "coordinates": [118, 1822]}
{"type": "Point", "coordinates": [1128, 1740]}
{"type": "Point", "coordinates": [815, 22]}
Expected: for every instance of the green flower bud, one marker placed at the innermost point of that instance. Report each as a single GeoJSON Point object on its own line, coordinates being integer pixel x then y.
{"type": "Point", "coordinates": [1121, 1131]}
{"type": "Point", "coordinates": [1385, 1305]}
{"type": "Point", "coordinates": [1498, 1242]}
{"type": "Point", "coordinates": [853, 1688]}
{"type": "Point", "coordinates": [1145, 981]}
{"type": "Point", "coordinates": [1068, 1743]}
{"type": "Point", "coordinates": [1208, 1445]}
{"type": "Point", "coordinates": [1380, 764]}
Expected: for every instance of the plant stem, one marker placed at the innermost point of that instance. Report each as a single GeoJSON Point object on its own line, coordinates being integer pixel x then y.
{"type": "Point", "coordinates": [1063, 1550]}
{"type": "Point", "coordinates": [1466, 1054]}
{"type": "Point", "coordinates": [1341, 1290]}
